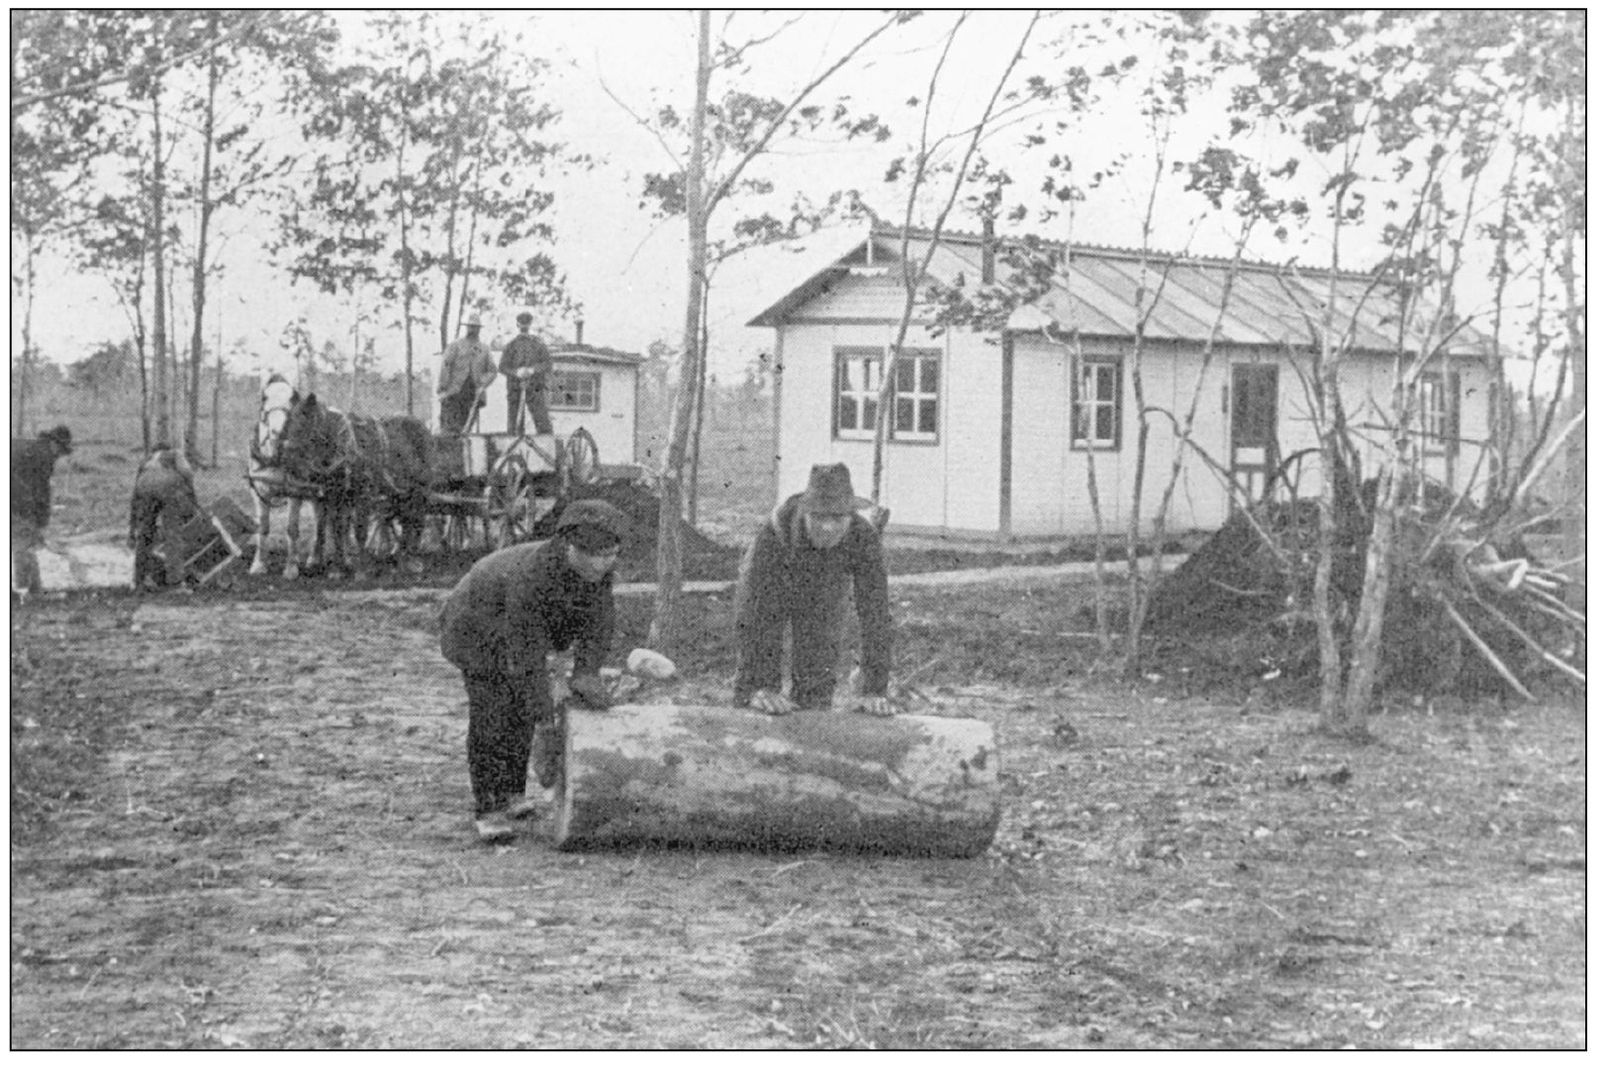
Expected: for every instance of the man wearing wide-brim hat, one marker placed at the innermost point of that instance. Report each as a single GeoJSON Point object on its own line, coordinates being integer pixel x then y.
{"type": "Point", "coordinates": [796, 574]}
{"type": "Point", "coordinates": [32, 464]}
{"type": "Point", "coordinates": [466, 369]}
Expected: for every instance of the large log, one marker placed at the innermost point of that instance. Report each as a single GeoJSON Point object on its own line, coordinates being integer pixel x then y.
{"type": "Point", "coordinates": [718, 776]}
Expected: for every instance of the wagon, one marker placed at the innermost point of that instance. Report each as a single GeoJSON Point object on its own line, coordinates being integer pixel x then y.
{"type": "Point", "coordinates": [502, 483]}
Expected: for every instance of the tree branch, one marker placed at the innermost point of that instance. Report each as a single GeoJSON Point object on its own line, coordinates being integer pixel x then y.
{"type": "Point", "coordinates": [723, 189]}
{"type": "Point", "coordinates": [22, 103]}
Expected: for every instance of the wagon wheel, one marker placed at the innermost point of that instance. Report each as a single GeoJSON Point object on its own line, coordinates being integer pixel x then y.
{"type": "Point", "coordinates": [511, 502]}
{"type": "Point", "coordinates": [578, 461]}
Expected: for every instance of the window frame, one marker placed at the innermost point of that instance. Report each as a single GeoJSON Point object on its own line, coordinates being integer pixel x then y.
{"type": "Point", "coordinates": [914, 398]}
{"type": "Point", "coordinates": [592, 377]}
{"type": "Point", "coordinates": [864, 396]}
{"type": "Point", "coordinates": [1438, 421]}
{"type": "Point", "coordinates": [1100, 364]}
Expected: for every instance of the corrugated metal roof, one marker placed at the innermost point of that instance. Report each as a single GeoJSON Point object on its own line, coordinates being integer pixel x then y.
{"type": "Point", "coordinates": [1266, 304]}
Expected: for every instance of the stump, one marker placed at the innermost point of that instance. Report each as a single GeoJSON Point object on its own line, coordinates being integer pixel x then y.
{"type": "Point", "coordinates": [717, 776]}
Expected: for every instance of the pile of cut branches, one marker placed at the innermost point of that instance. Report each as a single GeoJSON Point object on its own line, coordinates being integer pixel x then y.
{"type": "Point", "coordinates": [1471, 609]}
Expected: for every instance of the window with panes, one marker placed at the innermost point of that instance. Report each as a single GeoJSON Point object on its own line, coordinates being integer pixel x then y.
{"type": "Point", "coordinates": [574, 390]}
{"type": "Point", "coordinates": [1437, 411]}
{"type": "Point", "coordinates": [913, 415]}
{"type": "Point", "coordinates": [1096, 403]}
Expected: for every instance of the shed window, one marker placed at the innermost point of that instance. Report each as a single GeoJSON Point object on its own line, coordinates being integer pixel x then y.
{"type": "Point", "coordinates": [574, 390]}
{"type": "Point", "coordinates": [1096, 403]}
{"type": "Point", "coordinates": [1437, 412]}
{"type": "Point", "coordinates": [916, 377]}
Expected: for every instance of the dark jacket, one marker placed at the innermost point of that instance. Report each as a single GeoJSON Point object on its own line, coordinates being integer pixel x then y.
{"type": "Point", "coordinates": [516, 604]}
{"type": "Point", "coordinates": [32, 463]}
{"type": "Point", "coordinates": [526, 351]}
{"type": "Point", "coordinates": [162, 490]}
{"type": "Point", "coordinates": [784, 579]}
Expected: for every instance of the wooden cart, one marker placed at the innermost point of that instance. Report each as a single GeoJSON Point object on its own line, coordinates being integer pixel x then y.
{"type": "Point", "coordinates": [506, 488]}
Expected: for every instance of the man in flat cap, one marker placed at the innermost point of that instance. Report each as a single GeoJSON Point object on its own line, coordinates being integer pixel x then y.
{"type": "Point", "coordinates": [498, 625]}
{"type": "Point", "coordinates": [526, 362]}
{"type": "Point", "coordinates": [797, 574]}
{"type": "Point", "coordinates": [33, 462]}
{"type": "Point", "coordinates": [466, 369]}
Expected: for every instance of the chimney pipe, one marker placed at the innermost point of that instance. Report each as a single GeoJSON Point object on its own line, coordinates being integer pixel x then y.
{"type": "Point", "coordinates": [580, 328]}
{"type": "Point", "coordinates": [988, 249]}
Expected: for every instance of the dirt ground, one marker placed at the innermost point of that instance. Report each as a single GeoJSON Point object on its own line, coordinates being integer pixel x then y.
{"type": "Point", "coordinates": [243, 821]}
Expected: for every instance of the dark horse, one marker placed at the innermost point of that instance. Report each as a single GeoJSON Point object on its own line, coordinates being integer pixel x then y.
{"type": "Point", "coordinates": [365, 470]}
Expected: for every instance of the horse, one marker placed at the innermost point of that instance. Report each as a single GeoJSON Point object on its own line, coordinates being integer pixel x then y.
{"type": "Point", "coordinates": [366, 469]}
{"type": "Point", "coordinates": [271, 483]}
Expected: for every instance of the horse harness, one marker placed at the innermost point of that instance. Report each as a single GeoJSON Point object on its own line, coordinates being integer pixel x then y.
{"type": "Point", "coordinates": [316, 484]}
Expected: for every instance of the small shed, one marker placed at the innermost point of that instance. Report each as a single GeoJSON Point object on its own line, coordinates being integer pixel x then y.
{"type": "Point", "coordinates": [1022, 431]}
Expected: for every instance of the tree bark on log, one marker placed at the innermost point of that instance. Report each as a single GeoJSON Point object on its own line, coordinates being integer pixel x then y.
{"type": "Point", "coordinates": [719, 776]}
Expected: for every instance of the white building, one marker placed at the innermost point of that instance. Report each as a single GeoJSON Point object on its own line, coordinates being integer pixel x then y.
{"type": "Point", "coordinates": [1000, 434]}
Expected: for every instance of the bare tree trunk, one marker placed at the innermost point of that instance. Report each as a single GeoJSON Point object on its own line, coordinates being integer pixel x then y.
{"type": "Point", "coordinates": [668, 597]}
{"type": "Point", "coordinates": [449, 268]}
{"type": "Point", "coordinates": [24, 385]}
{"type": "Point", "coordinates": [1186, 432]}
{"type": "Point", "coordinates": [198, 289]}
{"type": "Point", "coordinates": [913, 275]}
{"type": "Point", "coordinates": [698, 419]}
{"type": "Point", "coordinates": [407, 268]}
{"type": "Point", "coordinates": [217, 389]}
{"type": "Point", "coordinates": [469, 242]}
{"type": "Point", "coordinates": [159, 322]}
{"type": "Point", "coordinates": [1574, 521]}
{"type": "Point", "coordinates": [1136, 602]}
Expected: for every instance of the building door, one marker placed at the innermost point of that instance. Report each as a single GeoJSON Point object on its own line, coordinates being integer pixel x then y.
{"type": "Point", "coordinates": [1253, 423]}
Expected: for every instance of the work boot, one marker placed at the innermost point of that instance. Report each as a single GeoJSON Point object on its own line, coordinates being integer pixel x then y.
{"type": "Point", "coordinates": [521, 807]}
{"type": "Point", "coordinates": [495, 827]}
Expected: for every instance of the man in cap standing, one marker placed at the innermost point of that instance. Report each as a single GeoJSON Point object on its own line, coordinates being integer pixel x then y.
{"type": "Point", "coordinates": [797, 573]}
{"type": "Point", "coordinates": [498, 625]}
{"type": "Point", "coordinates": [526, 362]}
{"type": "Point", "coordinates": [33, 462]}
{"type": "Point", "coordinates": [466, 369]}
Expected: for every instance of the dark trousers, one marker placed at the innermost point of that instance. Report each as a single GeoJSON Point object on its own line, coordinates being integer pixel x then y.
{"type": "Point", "coordinates": [156, 519]}
{"type": "Point", "coordinates": [811, 636]}
{"type": "Point", "coordinates": [456, 408]}
{"type": "Point", "coordinates": [534, 390]}
{"type": "Point", "coordinates": [503, 717]}
{"type": "Point", "coordinates": [816, 649]}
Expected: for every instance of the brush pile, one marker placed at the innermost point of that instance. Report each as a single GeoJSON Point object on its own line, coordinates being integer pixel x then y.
{"type": "Point", "coordinates": [1471, 608]}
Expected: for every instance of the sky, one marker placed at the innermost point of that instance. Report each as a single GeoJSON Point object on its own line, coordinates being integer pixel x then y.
{"type": "Point", "coordinates": [628, 268]}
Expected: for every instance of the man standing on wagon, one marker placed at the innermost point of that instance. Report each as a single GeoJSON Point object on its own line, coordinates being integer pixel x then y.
{"type": "Point", "coordinates": [466, 369]}
{"type": "Point", "coordinates": [526, 362]}
{"type": "Point", "coordinates": [499, 623]}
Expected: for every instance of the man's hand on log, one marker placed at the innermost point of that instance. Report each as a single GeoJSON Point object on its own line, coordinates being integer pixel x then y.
{"type": "Point", "coordinates": [774, 703]}
{"type": "Point", "coordinates": [875, 705]}
{"type": "Point", "coordinates": [591, 691]}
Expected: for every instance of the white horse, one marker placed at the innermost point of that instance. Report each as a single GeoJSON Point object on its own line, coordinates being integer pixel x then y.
{"type": "Point", "coordinates": [269, 483]}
